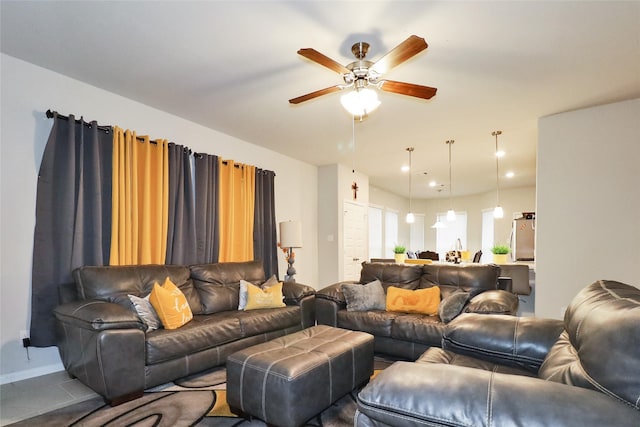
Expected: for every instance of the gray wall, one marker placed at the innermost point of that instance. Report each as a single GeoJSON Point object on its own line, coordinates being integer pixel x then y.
{"type": "Point", "coordinates": [588, 191]}
{"type": "Point", "coordinates": [27, 92]}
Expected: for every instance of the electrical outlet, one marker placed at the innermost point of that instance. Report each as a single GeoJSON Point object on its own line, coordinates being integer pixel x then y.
{"type": "Point", "coordinates": [24, 334]}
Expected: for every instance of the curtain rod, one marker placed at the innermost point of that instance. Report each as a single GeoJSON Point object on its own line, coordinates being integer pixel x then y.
{"type": "Point", "coordinates": [50, 114]}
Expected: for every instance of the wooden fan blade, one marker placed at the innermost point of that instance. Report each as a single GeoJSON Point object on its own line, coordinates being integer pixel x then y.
{"type": "Point", "coordinates": [405, 50]}
{"type": "Point", "coordinates": [321, 59]}
{"type": "Point", "coordinates": [410, 89]}
{"type": "Point", "coordinates": [315, 94]}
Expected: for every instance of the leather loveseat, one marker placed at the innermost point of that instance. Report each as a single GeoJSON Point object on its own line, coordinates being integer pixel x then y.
{"type": "Point", "coordinates": [409, 335]}
{"type": "Point", "coordinates": [104, 343]}
{"type": "Point", "coordinates": [508, 371]}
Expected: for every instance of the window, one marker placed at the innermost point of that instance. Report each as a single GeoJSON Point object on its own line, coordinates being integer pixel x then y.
{"type": "Point", "coordinates": [416, 233]}
{"type": "Point", "coordinates": [375, 232]}
{"type": "Point", "coordinates": [447, 237]}
{"type": "Point", "coordinates": [390, 233]}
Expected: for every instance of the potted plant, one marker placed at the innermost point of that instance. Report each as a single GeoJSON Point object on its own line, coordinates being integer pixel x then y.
{"type": "Point", "coordinates": [400, 253]}
{"type": "Point", "coordinates": [500, 253]}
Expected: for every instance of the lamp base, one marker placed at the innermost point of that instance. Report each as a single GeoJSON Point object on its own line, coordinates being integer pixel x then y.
{"type": "Point", "coordinates": [291, 271]}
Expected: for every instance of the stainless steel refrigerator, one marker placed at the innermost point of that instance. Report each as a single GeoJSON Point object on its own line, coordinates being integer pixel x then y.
{"type": "Point", "coordinates": [523, 238]}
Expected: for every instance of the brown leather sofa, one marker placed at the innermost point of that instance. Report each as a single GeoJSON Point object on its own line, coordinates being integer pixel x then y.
{"type": "Point", "coordinates": [104, 344]}
{"type": "Point", "coordinates": [507, 371]}
{"type": "Point", "coordinates": [409, 335]}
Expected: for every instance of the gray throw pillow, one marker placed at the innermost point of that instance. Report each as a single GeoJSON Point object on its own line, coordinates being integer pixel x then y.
{"type": "Point", "coordinates": [364, 297]}
{"type": "Point", "coordinates": [451, 306]}
{"type": "Point", "coordinates": [146, 312]}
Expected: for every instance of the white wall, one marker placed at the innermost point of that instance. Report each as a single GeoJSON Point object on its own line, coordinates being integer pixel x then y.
{"type": "Point", "coordinates": [588, 193]}
{"type": "Point", "coordinates": [513, 200]}
{"type": "Point", "coordinates": [334, 188]}
{"type": "Point", "coordinates": [27, 92]}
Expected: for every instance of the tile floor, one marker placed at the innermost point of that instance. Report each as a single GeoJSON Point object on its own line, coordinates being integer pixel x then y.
{"type": "Point", "coordinates": [27, 398]}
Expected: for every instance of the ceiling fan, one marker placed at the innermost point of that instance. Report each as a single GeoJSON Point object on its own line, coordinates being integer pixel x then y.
{"type": "Point", "coordinates": [362, 73]}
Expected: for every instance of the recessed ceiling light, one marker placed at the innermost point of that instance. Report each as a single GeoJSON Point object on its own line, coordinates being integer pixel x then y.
{"type": "Point", "coordinates": [404, 168]}
{"type": "Point", "coordinates": [499, 153]}
{"type": "Point", "coordinates": [432, 184]}
{"type": "Point", "coordinates": [509, 174]}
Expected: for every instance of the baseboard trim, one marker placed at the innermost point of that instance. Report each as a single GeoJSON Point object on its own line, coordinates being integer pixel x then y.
{"type": "Point", "coordinates": [30, 373]}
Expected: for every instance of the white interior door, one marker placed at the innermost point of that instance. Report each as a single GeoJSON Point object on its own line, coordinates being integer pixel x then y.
{"type": "Point", "coordinates": [355, 247]}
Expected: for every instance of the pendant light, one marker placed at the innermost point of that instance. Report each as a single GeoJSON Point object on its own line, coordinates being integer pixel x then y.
{"type": "Point", "coordinates": [451, 214]}
{"type": "Point", "coordinates": [410, 216]}
{"type": "Point", "coordinates": [498, 212]}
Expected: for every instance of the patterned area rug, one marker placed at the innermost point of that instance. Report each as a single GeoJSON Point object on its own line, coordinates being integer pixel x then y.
{"type": "Point", "coordinates": [197, 400]}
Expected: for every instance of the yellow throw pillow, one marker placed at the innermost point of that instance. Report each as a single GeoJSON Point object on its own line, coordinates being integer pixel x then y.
{"type": "Point", "coordinates": [270, 297]}
{"type": "Point", "coordinates": [170, 304]}
{"type": "Point", "coordinates": [423, 301]}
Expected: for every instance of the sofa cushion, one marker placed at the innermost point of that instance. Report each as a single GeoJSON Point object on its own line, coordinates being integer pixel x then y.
{"type": "Point", "coordinates": [116, 283]}
{"type": "Point", "coordinates": [170, 304]}
{"type": "Point", "coordinates": [438, 355]}
{"type": "Point", "coordinates": [218, 285]}
{"type": "Point", "coordinates": [256, 322]}
{"type": "Point", "coordinates": [400, 276]}
{"type": "Point", "coordinates": [421, 301]}
{"type": "Point", "coordinates": [418, 328]}
{"type": "Point", "coordinates": [203, 332]}
{"type": "Point", "coordinates": [378, 323]}
{"type": "Point", "coordinates": [472, 278]}
{"type": "Point", "coordinates": [213, 330]}
{"type": "Point", "coordinates": [599, 348]}
{"type": "Point", "coordinates": [364, 297]}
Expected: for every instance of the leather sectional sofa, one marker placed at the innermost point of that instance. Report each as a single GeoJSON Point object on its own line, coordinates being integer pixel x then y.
{"type": "Point", "coordinates": [104, 343]}
{"type": "Point", "coordinates": [409, 335]}
{"type": "Point", "coordinates": [505, 371]}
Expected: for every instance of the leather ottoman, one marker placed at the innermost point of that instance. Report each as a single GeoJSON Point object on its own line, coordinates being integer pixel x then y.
{"type": "Point", "coordinates": [291, 379]}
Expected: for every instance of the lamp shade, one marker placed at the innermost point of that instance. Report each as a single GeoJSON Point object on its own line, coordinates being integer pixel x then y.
{"type": "Point", "coordinates": [411, 218]}
{"type": "Point", "coordinates": [291, 234]}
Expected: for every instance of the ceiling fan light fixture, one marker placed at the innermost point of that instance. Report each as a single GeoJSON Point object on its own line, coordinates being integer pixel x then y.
{"type": "Point", "coordinates": [360, 102]}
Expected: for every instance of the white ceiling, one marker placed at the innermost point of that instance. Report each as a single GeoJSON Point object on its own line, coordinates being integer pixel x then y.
{"type": "Point", "coordinates": [232, 66]}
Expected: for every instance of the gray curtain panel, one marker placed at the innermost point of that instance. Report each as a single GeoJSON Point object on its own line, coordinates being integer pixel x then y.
{"type": "Point", "coordinates": [264, 226]}
{"type": "Point", "coordinates": [181, 234]}
{"type": "Point", "coordinates": [206, 199]}
{"type": "Point", "coordinates": [73, 214]}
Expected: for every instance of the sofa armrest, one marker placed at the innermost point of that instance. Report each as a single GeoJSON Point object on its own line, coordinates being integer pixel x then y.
{"type": "Point", "coordinates": [493, 302]}
{"type": "Point", "coordinates": [103, 345]}
{"type": "Point", "coordinates": [97, 315]}
{"type": "Point", "coordinates": [522, 342]}
{"type": "Point", "coordinates": [334, 292]}
{"type": "Point", "coordinates": [294, 292]}
{"type": "Point", "coordinates": [411, 394]}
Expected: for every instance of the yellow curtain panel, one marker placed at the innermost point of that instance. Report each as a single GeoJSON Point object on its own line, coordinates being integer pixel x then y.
{"type": "Point", "coordinates": [237, 200]}
{"type": "Point", "coordinates": [140, 196]}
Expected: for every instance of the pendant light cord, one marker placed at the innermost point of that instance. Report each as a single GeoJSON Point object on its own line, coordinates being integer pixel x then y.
{"type": "Point", "coordinates": [450, 143]}
{"type": "Point", "coordinates": [496, 133]}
